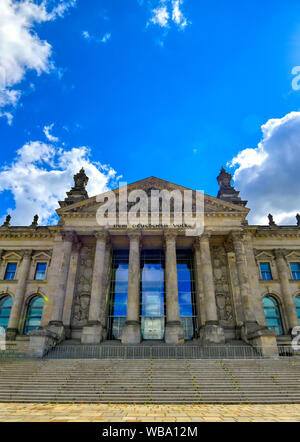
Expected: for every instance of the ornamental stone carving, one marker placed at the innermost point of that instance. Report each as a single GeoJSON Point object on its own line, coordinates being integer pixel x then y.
{"type": "Point", "coordinates": [221, 280]}
{"type": "Point", "coordinates": [83, 287]}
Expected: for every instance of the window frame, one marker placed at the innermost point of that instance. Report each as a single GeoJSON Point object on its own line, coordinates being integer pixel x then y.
{"type": "Point", "coordinates": [6, 295]}
{"type": "Point", "coordinates": [261, 272]}
{"type": "Point", "coordinates": [278, 304]}
{"type": "Point", "coordinates": [290, 266]}
{"type": "Point", "coordinates": [7, 263]}
{"type": "Point", "coordinates": [27, 306]}
{"type": "Point", "coordinates": [36, 263]}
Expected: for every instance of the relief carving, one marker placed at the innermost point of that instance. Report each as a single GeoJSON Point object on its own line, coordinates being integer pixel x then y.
{"type": "Point", "coordinates": [221, 278]}
{"type": "Point", "coordinates": [83, 288]}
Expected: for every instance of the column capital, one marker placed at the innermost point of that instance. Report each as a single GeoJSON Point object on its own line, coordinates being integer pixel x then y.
{"type": "Point", "coordinates": [170, 235]}
{"type": "Point", "coordinates": [134, 234]}
{"type": "Point", "coordinates": [69, 236]}
{"type": "Point", "coordinates": [27, 253]}
{"type": "Point", "coordinates": [279, 253]}
{"type": "Point", "coordinates": [101, 234]}
{"type": "Point", "coordinates": [204, 237]}
{"type": "Point", "coordinates": [237, 235]}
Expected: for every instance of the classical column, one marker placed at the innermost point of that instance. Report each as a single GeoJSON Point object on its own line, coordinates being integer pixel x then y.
{"type": "Point", "coordinates": [71, 287]}
{"type": "Point", "coordinates": [252, 332]}
{"type": "Point", "coordinates": [132, 331]}
{"type": "Point", "coordinates": [92, 333]}
{"type": "Point", "coordinates": [257, 305]}
{"type": "Point", "coordinates": [174, 333]}
{"type": "Point", "coordinates": [211, 332]}
{"type": "Point", "coordinates": [288, 301]}
{"type": "Point", "coordinates": [199, 286]}
{"type": "Point", "coordinates": [63, 254]}
{"type": "Point", "coordinates": [15, 313]}
{"type": "Point", "coordinates": [237, 238]}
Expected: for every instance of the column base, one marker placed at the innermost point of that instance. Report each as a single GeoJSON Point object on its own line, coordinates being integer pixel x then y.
{"type": "Point", "coordinates": [131, 333]}
{"type": "Point", "coordinates": [174, 333]}
{"type": "Point", "coordinates": [41, 341]}
{"type": "Point", "coordinates": [264, 341]}
{"type": "Point", "coordinates": [212, 333]}
{"type": "Point", "coordinates": [58, 328]}
{"type": "Point", "coordinates": [11, 334]}
{"type": "Point", "coordinates": [91, 334]}
{"type": "Point", "coordinates": [250, 327]}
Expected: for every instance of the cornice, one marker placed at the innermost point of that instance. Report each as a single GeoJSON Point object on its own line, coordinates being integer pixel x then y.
{"type": "Point", "coordinates": [26, 233]}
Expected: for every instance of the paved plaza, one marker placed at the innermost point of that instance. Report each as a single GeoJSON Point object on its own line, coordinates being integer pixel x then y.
{"type": "Point", "coordinates": [148, 413]}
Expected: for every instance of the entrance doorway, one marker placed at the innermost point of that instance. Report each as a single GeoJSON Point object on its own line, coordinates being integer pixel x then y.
{"type": "Point", "coordinates": [152, 295]}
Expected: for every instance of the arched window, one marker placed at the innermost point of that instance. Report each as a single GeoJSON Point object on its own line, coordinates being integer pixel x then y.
{"type": "Point", "coordinates": [297, 302]}
{"type": "Point", "coordinates": [5, 308]}
{"type": "Point", "coordinates": [272, 314]}
{"type": "Point", "coordinates": [34, 314]}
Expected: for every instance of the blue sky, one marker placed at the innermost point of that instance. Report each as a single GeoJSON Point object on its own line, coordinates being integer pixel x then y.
{"type": "Point", "coordinates": [174, 89]}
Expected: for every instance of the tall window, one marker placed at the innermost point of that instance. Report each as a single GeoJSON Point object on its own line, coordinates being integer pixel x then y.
{"type": "Point", "coordinates": [265, 270]}
{"type": "Point", "coordinates": [10, 271]}
{"type": "Point", "coordinates": [34, 314]}
{"type": "Point", "coordinates": [118, 294]}
{"type": "Point", "coordinates": [297, 302]}
{"type": "Point", "coordinates": [186, 293]}
{"type": "Point", "coordinates": [152, 295]}
{"type": "Point", "coordinates": [295, 268]}
{"type": "Point", "coordinates": [40, 271]}
{"type": "Point", "coordinates": [5, 308]}
{"type": "Point", "coordinates": [272, 314]}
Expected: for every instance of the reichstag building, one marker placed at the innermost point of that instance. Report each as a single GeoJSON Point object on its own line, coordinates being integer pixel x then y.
{"type": "Point", "coordinates": [128, 284]}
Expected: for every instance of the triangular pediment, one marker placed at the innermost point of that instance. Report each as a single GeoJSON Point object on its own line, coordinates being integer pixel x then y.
{"type": "Point", "coordinates": [211, 204]}
{"type": "Point", "coordinates": [12, 256]}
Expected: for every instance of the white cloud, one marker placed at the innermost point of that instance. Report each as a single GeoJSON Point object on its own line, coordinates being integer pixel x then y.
{"type": "Point", "coordinates": [177, 15]}
{"type": "Point", "coordinates": [87, 36]}
{"type": "Point", "coordinates": [50, 137]}
{"type": "Point", "coordinates": [268, 175]}
{"type": "Point", "coordinates": [160, 16]}
{"type": "Point", "coordinates": [168, 11]}
{"type": "Point", "coordinates": [106, 37]}
{"type": "Point", "coordinates": [21, 49]}
{"type": "Point", "coordinates": [40, 175]}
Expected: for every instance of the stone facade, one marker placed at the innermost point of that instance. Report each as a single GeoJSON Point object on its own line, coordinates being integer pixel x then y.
{"type": "Point", "coordinates": [229, 288]}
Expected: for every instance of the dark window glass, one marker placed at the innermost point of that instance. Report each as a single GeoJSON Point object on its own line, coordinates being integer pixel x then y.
{"type": "Point", "coordinates": [295, 268]}
{"type": "Point", "coordinates": [297, 302]}
{"type": "Point", "coordinates": [34, 314]}
{"type": "Point", "coordinates": [152, 295]}
{"type": "Point", "coordinates": [118, 294]}
{"type": "Point", "coordinates": [272, 314]}
{"type": "Point", "coordinates": [40, 271]}
{"type": "Point", "coordinates": [265, 270]}
{"type": "Point", "coordinates": [10, 271]}
{"type": "Point", "coordinates": [5, 308]}
{"type": "Point", "coordinates": [186, 293]}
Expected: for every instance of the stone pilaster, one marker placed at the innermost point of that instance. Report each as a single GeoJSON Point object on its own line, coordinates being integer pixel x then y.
{"type": "Point", "coordinates": [237, 238]}
{"type": "Point", "coordinates": [14, 319]}
{"type": "Point", "coordinates": [199, 286]}
{"type": "Point", "coordinates": [211, 332]}
{"type": "Point", "coordinates": [92, 333]}
{"type": "Point", "coordinates": [174, 333]}
{"type": "Point", "coordinates": [252, 332]}
{"type": "Point", "coordinates": [256, 304]}
{"type": "Point", "coordinates": [288, 301]}
{"type": "Point", "coordinates": [71, 287]}
{"type": "Point", "coordinates": [63, 256]}
{"type": "Point", "coordinates": [132, 330]}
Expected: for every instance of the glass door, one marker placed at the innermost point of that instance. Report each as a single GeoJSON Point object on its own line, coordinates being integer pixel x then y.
{"type": "Point", "coordinates": [152, 296]}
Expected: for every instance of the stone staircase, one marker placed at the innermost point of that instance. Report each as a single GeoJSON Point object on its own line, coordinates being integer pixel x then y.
{"type": "Point", "coordinates": [191, 381]}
